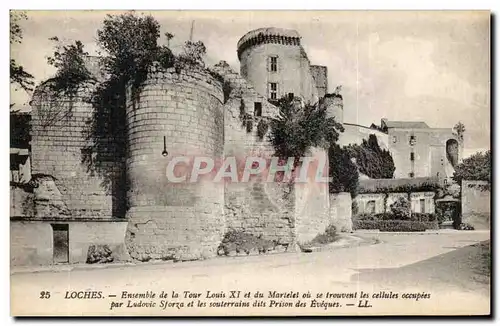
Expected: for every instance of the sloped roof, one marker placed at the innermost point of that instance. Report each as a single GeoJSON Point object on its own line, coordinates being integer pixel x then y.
{"type": "Point", "coordinates": [406, 124]}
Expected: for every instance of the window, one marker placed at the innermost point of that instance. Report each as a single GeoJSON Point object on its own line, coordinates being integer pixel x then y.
{"type": "Point", "coordinates": [394, 139]}
{"type": "Point", "coordinates": [422, 205]}
{"type": "Point", "coordinates": [257, 109]}
{"type": "Point", "coordinates": [273, 91]}
{"type": "Point", "coordinates": [273, 64]}
{"type": "Point", "coordinates": [412, 156]}
{"type": "Point", "coordinates": [413, 140]}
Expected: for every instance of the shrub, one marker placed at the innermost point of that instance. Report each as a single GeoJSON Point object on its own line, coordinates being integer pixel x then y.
{"type": "Point", "coordinates": [402, 208]}
{"type": "Point", "coordinates": [423, 217]}
{"type": "Point", "coordinates": [239, 241]}
{"type": "Point", "coordinates": [465, 226]}
{"type": "Point", "coordinates": [366, 217]}
{"type": "Point", "coordinates": [99, 254]}
{"type": "Point", "coordinates": [394, 225]}
{"type": "Point", "coordinates": [330, 235]}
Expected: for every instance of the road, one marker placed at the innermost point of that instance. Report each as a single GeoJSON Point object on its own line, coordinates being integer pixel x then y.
{"type": "Point", "coordinates": [443, 270]}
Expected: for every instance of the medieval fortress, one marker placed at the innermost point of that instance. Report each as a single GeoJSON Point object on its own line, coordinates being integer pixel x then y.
{"type": "Point", "coordinates": [103, 190]}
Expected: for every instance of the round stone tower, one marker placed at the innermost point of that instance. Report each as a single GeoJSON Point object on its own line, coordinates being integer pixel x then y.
{"type": "Point", "coordinates": [274, 62]}
{"type": "Point", "coordinates": [176, 114]}
{"type": "Point", "coordinates": [334, 106]}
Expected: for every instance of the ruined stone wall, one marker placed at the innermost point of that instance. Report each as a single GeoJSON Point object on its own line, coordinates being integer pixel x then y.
{"type": "Point", "coordinates": [476, 203]}
{"type": "Point", "coordinates": [64, 146]}
{"type": "Point", "coordinates": [181, 110]}
{"type": "Point", "coordinates": [257, 207]}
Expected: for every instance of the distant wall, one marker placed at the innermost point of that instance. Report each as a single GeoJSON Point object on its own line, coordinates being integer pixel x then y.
{"type": "Point", "coordinates": [476, 203]}
{"type": "Point", "coordinates": [429, 148]}
{"type": "Point", "coordinates": [354, 134]}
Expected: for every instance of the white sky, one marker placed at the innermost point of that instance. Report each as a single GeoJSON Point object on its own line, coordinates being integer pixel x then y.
{"type": "Point", "coordinates": [427, 66]}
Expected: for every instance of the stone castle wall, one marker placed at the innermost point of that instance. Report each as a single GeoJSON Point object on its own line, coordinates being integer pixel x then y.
{"type": "Point", "coordinates": [476, 203]}
{"type": "Point", "coordinates": [64, 147]}
{"type": "Point", "coordinates": [258, 207]}
{"type": "Point", "coordinates": [168, 220]}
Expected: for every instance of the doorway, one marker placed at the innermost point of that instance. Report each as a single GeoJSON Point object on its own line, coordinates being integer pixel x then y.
{"type": "Point", "coordinates": [60, 247]}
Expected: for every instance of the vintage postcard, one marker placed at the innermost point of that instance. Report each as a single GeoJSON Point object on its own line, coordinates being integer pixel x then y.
{"type": "Point", "coordinates": [250, 163]}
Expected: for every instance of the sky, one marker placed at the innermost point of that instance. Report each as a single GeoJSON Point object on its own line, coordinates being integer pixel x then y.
{"type": "Point", "coordinates": [419, 66]}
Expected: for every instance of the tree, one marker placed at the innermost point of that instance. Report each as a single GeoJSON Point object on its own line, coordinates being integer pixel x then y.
{"type": "Point", "coordinates": [343, 172]}
{"type": "Point", "coordinates": [131, 45]}
{"type": "Point", "coordinates": [475, 167]}
{"type": "Point", "coordinates": [375, 162]}
{"type": "Point", "coordinates": [301, 126]}
{"type": "Point", "coordinates": [69, 60]}
{"type": "Point", "coordinates": [460, 129]}
{"type": "Point", "coordinates": [18, 76]}
{"type": "Point", "coordinates": [193, 53]}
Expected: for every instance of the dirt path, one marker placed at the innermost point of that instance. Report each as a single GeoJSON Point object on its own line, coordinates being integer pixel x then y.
{"type": "Point", "coordinates": [447, 267]}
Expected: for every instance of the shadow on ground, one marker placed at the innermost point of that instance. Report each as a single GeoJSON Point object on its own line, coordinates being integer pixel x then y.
{"type": "Point", "coordinates": [466, 268]}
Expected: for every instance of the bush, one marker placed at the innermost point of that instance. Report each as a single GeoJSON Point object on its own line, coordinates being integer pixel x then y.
{"type": "Point", "coordinates": [330, 235]}
{"type": "Point", "coordinates": [99, 254]}
{"type": "Point", "coordinates": [366, 217]}
{"type": "Point", "coordinates": [423, 217]}
{"type": "Point", "coordinates": [465, 226]}
{"type": "Point", "coordinates": [389, 216]}
{"type": "Point", "coordinates": [394, 225]}
{"type": "Point", "coordinates": [402, 208]}
{"type": "Point", "coordinates": [241, 242]}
